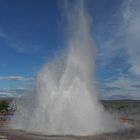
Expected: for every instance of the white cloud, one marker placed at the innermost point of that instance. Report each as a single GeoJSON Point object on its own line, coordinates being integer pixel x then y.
{"type": "Point", "coordinates": [123, 87]}
{"type": "Point", "coordinates": [135, 68]}
{"type": "Point", "coordinates": [14, 93]}
{"type": "Point", "coordinates": [125, 38]}
{"type": "Point", "coordinates": [130, 28]}
{"type": "Point", "coordinates": [123, 83]}
{"type": "Point", "coordinates": [15, 78]}
{"type": "Point", "coordinates": [121, 96]}
{"type": "Point", "coordinates": [6, 95]}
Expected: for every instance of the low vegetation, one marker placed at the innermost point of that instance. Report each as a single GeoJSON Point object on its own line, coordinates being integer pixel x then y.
{"type": "Point", "coordinates": [5, 107]}
{"type": "Point", "coordinates": [121, 105]}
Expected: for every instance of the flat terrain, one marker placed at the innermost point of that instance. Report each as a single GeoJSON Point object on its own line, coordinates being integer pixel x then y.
{"type": "Point", "coordinates": [127, 111]}
{"type": "Point", "coordinates": [131, 134]}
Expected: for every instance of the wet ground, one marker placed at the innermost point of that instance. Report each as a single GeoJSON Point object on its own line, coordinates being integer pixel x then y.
{"type": "Point", "coordinates": [127, 115]}
{"type": "Point", "coordinates": [131, 134]}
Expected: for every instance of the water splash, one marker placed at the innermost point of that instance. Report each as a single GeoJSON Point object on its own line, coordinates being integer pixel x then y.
{"type": "Point", "coordinates": [66, 101]}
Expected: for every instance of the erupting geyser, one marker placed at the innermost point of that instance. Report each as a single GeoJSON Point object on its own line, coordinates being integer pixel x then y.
{"type": "Point", "coordinates": [65, 101]}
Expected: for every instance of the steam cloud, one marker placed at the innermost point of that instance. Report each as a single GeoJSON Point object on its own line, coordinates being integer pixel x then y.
{"type": "Point", "coordinates": [66, 101]}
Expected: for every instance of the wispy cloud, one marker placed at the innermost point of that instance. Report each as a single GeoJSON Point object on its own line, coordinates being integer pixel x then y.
{"type": "Point", "coordinates": [123, 83]}
{"type": "Point", "coordinates": [121, 87]}
{"type": "Point", "coordinates": [20, 44]}
{"type": "Point", "coordinates": [15, 78]}
{"type": "Point", "coordinates": [108, 51]}
{"type": "Point", "coordinates": [122, 96]}
{"type": "Point", "coordinates": [130, 30]}
{"type": "Point", "coordinates": [120, 82]}
{"type": "Point", "coordinates": [24, 46]}
{"type": "Point", "coordinates": [14, 93]}
{"type": "Point", "coordinates": [2, 34]}
{"type": "Point", "coordinates": [124, 42]}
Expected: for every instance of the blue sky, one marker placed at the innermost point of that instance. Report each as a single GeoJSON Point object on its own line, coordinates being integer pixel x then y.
{"type": "Point", "coordinates": [33, 32]}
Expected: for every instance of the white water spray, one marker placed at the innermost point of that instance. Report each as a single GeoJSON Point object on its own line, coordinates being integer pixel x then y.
{"type": "Point", "coordinates": [66, 101]}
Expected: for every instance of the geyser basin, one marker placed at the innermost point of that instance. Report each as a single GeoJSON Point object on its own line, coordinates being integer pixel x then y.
{"type": "Point", "coordinates": [22, 135]}
{"type": "Point", "coordinates": [66, 101]}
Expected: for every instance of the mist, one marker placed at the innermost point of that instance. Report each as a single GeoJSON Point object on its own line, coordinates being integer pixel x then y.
{"type": "Point", "coordinates": [64, 99]}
